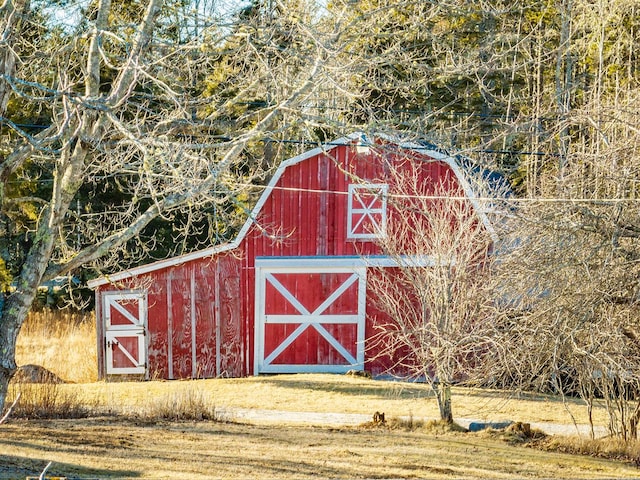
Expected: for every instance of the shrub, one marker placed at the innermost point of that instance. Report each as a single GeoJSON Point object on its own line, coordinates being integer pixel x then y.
{"type": "Point", "coordinates": [189, 404]}
{"type": "Point", "coordinates": [46, 400]}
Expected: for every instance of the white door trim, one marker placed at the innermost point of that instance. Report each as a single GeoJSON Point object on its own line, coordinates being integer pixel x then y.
{"type": "Point", "coordinates": [136, 329]}
{"type": "Point", "coordinates": [265, 270]}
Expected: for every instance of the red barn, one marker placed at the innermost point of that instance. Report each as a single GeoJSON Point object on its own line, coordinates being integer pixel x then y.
{"type": "Point", "coordinates": [290, 293]}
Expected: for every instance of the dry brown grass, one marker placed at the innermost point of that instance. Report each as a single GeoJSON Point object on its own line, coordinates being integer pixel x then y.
{"type": "Point", "coordinates": [329, 393]}
{"type": "Point", "coordinates": [146, 438]}
{"type": "Point", "coordinates": [112, 448]}
{"type": "Point", "coordinates": [47, 400]}
{"type": "Point", "coordinates": [63, 342]}
{"type": "Point", "coordinates": [187, 404]}
{"type": "Point", "coordinates": [54, 346]}
{"type": "Point", "coordinates": [614, 448]}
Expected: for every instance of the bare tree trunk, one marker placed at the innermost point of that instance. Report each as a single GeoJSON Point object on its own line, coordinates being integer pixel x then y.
{"type": "Point", "coordinates": [443, 396]}
{"type": "Point", "coordinates": [19, 302]}
{"type": "Point", "coordinates": [17, 305]}
{"type": "Point", "coordinates": [15, 311]}
{"type": "Point", "coordinates": [64, 188]}
{"type": "Point", "coordinates": [563, 85]}
{"type": "Point", "coordinates": [10, 26]}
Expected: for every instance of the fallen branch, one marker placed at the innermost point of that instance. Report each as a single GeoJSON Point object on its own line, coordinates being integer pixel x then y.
{"type": "Point", "coordinates": [42, 477]}
{"type": "Point", "coordinates": [6, 415]}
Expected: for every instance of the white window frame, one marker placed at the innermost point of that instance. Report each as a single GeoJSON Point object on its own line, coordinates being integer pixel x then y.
{"type": "Point", "coordinates": [357, 207]}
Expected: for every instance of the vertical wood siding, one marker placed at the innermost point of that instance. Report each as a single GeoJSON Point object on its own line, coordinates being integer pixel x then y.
{"type": "Point", "coordinates": [201, 318]}
{"type": "Point", "coordinates": [194, 323]}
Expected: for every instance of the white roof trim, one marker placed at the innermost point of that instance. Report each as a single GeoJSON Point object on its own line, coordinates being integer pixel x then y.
{"type": "Point", "coordinates": [464, 182]}
{"type": "Point", "coordinates": [349, 262]}
{"type": "Point", "coordinates": [180, 259]}
{"type": "Point", "coordinates": [471, 195]}
{"type": "Point", "coordinates": [347, 140]}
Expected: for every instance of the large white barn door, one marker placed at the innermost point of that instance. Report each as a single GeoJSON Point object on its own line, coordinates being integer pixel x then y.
{"type": "Point", "coordinates": [310, 316]}
{"type": "Point", "coordinates": [125, 315]}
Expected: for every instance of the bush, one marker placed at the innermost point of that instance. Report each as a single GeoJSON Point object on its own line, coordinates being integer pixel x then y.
{"type": "Point", "coordinates": [189, 404]}
{"type": "Point", "coordinates": [45, 400]}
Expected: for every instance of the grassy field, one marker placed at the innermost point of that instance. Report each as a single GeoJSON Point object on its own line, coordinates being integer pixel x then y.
{"type": "Point", "coordinates": [65, 344]}
{"type": "Point", "coordinates": [132, 431]}
{"type": "Point", "coordinates": [109, 448]}
{"type": "Point", "coordinates": [335, 394]}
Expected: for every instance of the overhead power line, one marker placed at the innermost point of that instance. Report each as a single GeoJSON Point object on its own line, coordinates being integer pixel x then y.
{"type": "Point", "coordinates": [308, 142]}
{"type": "Point", "coordinates": [485, 199]}
{"type": "Point", "coordinates": [424, 147]}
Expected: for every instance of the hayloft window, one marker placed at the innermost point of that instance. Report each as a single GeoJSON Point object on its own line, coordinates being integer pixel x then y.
{"type": "Point", "coordinates": [367, 211]}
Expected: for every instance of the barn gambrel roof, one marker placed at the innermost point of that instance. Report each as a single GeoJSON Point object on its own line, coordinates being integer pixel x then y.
{"type": "Point", "coordinates": [463, 167]}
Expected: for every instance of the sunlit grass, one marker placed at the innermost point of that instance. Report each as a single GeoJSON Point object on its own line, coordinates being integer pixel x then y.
{"type": "Point", "coordinates": [327, 393]}
{"type": "Point", "coordinates": [63, 342]}
{"type": "Point", "coordinates": [602, 447]}
{"type": "Point", "coordinates": [111, 448]}
{"type": "Point", "coordinates": [47, 400]}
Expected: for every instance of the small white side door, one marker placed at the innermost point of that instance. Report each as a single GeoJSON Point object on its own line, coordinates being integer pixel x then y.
{"type": "Point", "coordinates": [125, 319]}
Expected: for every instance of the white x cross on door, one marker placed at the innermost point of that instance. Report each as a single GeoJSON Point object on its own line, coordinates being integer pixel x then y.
{"type": "Point", "coordinates": [309, 319]}
{"type": "Point", "coordinates": [125, 316]}
{"type": "Point", "coordinates": [367, 211]}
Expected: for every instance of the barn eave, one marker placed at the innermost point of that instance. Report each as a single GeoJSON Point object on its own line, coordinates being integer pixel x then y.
{"type": "Point", "coordinates": [356, 139]}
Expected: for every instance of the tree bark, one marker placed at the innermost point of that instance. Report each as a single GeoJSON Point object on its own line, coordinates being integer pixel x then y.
{"type": "Point", "coordinates": [65, 186]}
{"type": "Point", "coordinates": [443, 396]}
{"type": "Point", "coordinates": [15, 307]}
{"type": "Point", "coordinates": [19, 302]}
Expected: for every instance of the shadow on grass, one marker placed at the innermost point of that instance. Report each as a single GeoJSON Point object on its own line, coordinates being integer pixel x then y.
{"type": "Point", "coordinates": [352, 386]}
{"type": "Point", "coordinates": [520, 395]}
{"type": "Point", "coordinates": [384, 389]}
{"type": "Point", "coordinates": [22, 467]}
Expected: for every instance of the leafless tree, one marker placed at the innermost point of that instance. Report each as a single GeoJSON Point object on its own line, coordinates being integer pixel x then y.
{"type": "Point", "coordinates": [569, 269]}
{"type": "Point", "coordinates": [568, 320]}
{"type": "Point", "coordinates": [166, 118]}
{"type": "Point", "coordinates": [435, 306]}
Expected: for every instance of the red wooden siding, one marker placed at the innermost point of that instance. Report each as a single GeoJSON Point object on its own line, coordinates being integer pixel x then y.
{"type": "Point", "coordinates": [202, 318]}
{"type": "Point", "coordinates": [306, 214]}
{"type": "Point", "coordinates": [194, 321]}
